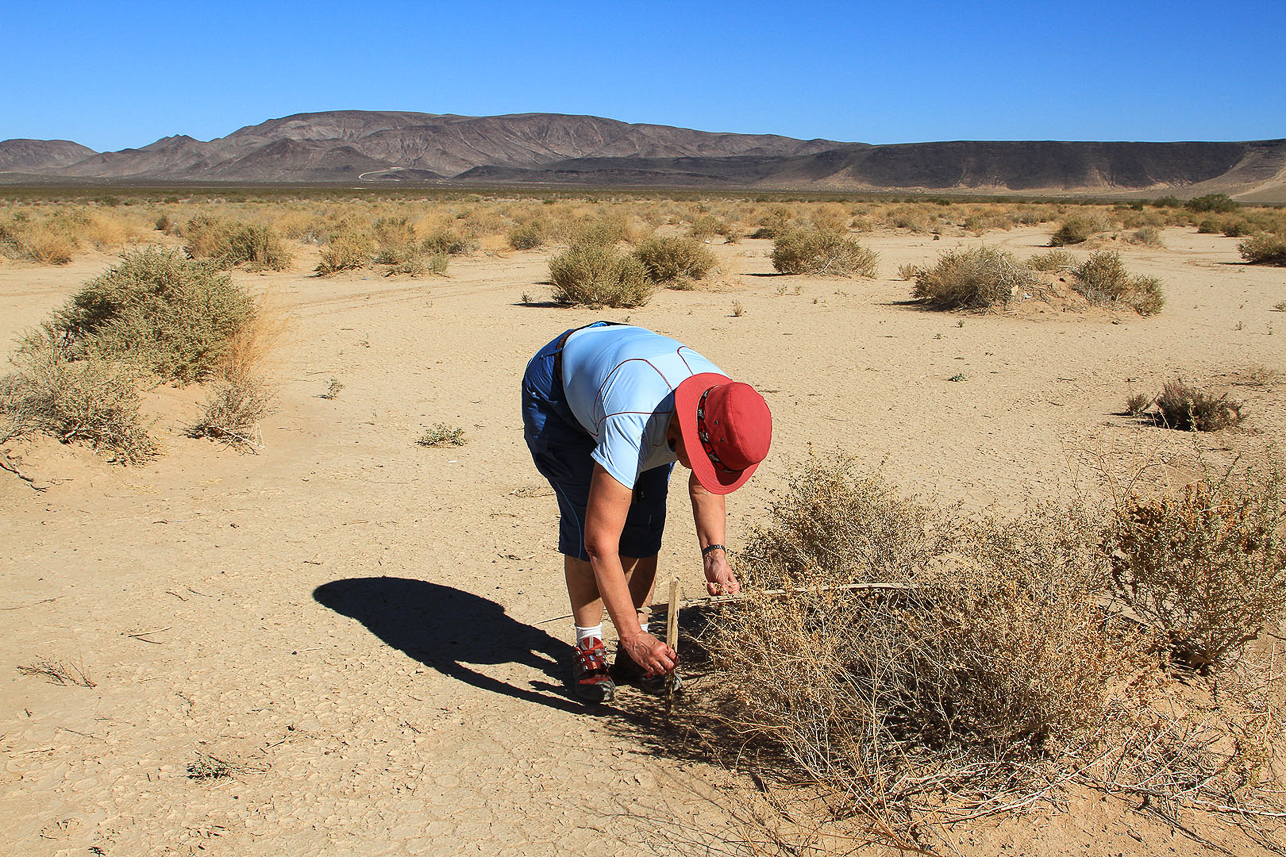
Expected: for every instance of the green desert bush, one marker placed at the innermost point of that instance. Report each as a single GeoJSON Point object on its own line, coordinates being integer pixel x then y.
{"type": "Point", "coordinates": [347, 250]}
{"type": "Point", "coordinates": [232, 243]}
{"type": "Point", "coordinates": [1103, 280]}
{"type": "Point", "coordinates": [1219, 203]}
{"type": "Point", "coordinates": [172, 316]}
{"type": "Point", "coordinates": [91, 401]}
{"type": "Point", "coordinates": [672, 259]}
{"type": "Point", "coordinates": [979, 278]}
{"type": "Point", "coordinates": [1206, 565]}
{"type": "Point", "coordinates": [801, 251]}
{"type": "Point", "coordinates": [1264, 249]}
{"type": "Point", "coordinates": [598, 275]}
{"type": "Point", "coordinates": [1184, 406]}
{"type": "Point", "coordinates": [441, 434]}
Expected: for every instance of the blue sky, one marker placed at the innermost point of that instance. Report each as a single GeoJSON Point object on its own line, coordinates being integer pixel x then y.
{"type": "Point", "coordinates": [112, 74]}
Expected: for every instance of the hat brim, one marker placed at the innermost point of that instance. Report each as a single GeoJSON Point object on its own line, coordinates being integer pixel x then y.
{"type": "Point", "coordinates": [686, 396]}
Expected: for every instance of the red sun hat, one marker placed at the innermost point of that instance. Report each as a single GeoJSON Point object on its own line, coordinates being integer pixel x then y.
{"type": "Point", "coordinates": [726, 428]}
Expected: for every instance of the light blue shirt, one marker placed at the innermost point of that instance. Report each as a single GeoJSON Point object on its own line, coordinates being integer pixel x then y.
{"type": "Point", "coordinates": [619, 381]}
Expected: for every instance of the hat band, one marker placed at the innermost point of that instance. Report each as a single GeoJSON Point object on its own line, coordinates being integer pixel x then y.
{"type": "Point", "coordinates": [704, 436]}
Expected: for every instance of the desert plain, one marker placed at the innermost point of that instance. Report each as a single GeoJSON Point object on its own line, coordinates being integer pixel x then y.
{"type": "Point", "coordinates": [346, 643]}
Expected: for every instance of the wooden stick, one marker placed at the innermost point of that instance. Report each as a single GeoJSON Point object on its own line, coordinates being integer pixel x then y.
{"type": "Point", "coordinates": [672, 631]}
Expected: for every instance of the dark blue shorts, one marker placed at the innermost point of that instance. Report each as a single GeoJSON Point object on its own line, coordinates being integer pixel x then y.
{"type": "Point", "coordinates": [560, 448]}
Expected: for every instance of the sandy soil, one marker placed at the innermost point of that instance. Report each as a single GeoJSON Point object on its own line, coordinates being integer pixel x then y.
{"type": "Point", "coordinates": [372, 633]}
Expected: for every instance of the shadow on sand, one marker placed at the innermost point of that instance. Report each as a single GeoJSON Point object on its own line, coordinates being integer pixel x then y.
{"type": "Point", "coordinates": [446, 628]}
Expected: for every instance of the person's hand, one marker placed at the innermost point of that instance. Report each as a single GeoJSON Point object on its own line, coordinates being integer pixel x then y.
{"type": "Point", "coordinates": [719, 576]}
{"type": "Point", "coordinates": [652, 656]}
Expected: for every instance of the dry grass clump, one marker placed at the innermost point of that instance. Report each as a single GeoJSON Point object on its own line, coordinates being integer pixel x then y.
{"type": "Point", "coordinates": [347, 250]}
{"type": "Point", "coordinates": [673, 259]}
{"type": "Point", "coordinates": [598, 275]}
{"type": "Point", "coordinates": [172, 316]}
{"type": "Point", "coordinates": [448, 242]}
{"type": "Point", "coordinates": [1145, 236]}
{"type": "Point", "coordinates": [36, 240]}
{"type": "Point", "coordinates": [59, 672]}
{"type": "Point", "coordinates": [979, 278]}
{"type": "Point", "coordinates": [1103, 280]}
{"type": "Point", "coordinates": [799, 251]}
{"type": "Point", "coordinates": [232, 412]}
{"type": "Point", "coordinates": [1264, 249]}
{"type": "Point", "coordinates": [232, 243]}
{"type": "Point", "coordinates": [1206, 566]}
{"type": "Point", "coordinates": [1183, 406]}
{"type": "Point", "coordinates": [90, 401]}
{"type": "Point", "coordinates": [1051, 260]}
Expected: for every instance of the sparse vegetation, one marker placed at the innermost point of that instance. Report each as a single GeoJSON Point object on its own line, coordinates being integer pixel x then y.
{"type": "Point", "coordinates": [333, 389]}
{"type": "Point", "coordinates": [1146, 236]}
{"type": "Point", "coordinates": [979, 278]}
{"type": "Point", "coordinates": [527, 236]}
{"type": "Point", "coordinates": [822, 252]}
{"type": "Point", "coordinates": [59, 672]}
{"type": "Point", "coordinates": [1103, 280]}
{"type": "Point", "coordinates": [1137, 404]}
{"type": "Point", "coordinates": [1219, 203]}
{"type": "Point", "coordinates": [598, 275]}
{"type": "Point", "coordinates": [441, 434]}
{"type": "Point", "coordinates": [1183, 406]}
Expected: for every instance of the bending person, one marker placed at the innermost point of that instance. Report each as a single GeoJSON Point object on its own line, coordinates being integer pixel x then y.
{"type": "Point", "coordinates": [607, 410]}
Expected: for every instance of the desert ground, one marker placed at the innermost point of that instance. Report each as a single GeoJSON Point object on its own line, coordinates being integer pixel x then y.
{"type": "Point", "coordinates": [370, 637]}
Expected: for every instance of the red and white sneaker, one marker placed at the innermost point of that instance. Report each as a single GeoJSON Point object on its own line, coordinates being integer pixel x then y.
{"type": "Point", "coordinates": [590, 679]}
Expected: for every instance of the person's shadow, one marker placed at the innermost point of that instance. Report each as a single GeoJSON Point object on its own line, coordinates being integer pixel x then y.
{"type": "Point", "coordinates": [445, 628]}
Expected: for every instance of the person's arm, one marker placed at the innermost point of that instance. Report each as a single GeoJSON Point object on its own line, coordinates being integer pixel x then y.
{"type": "Point", "coordinates": [710, 513]}
{"type": "Point", "coordinates": [609, 503]}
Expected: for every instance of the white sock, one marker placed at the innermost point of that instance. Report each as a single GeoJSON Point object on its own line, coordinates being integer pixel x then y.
{"type": "Point", "coordinates": [583, 634]}
{"type": "Point", "coordinates": [643, 625]}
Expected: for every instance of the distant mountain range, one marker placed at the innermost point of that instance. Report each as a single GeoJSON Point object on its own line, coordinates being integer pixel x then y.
{"type": "Point", "coordinates": [380, 147]}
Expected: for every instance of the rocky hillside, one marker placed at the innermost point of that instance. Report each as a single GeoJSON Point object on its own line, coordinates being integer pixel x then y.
{"type": "Point", "coordinates": [351, 146]}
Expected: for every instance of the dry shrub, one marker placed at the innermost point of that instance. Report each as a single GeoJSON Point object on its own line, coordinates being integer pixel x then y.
{"type": "Point", "coordinates": [817, 252]}
{"type": "Point", "coordinates": [527, 236]}
{"type": "Point", "coordinates": [986, 655]}
{"type": "Point", "coordinates": [1146, 236]}
{"type": "Point", "coordinates": [1051, 260]}
{"type": "Point", "coordinates": [1206, 565]}
{"type": "Point", "coordinates": [448, 242]}
{"type": "Point", "coordinates": [674, 259]}
{"type": "Point", "coordinates": [440, 435]}
{"type": "Point", "coordinates": [1103, 280]}
{"type": "Point", "coordinates": [37, 241]}
{"type": "Point", "coordinates": [232, 243]}
{"type": "Point", "coordinates": [91, 401]}
{"type": "Point", "coordinates": [597, 275]}
{"type": "Point", "coordinates": [347, 250]}
{"type": "Point", "coordinates": [232, 413]}
{"type": "Point", "coordinates": [926, 668]}
{"type": "Point", "coordinates": [1264, 249]}
{"type": "Point", "coordinates": [973, 279]}
{"type": "Point", "coordinates": [1183, 406]}
{"type": "Point", "coordinates": [172, 316]}
{"type": "Point", "coordinates": [395, 240]}
{"type": "Point", "coordinates": [1077, 229]}
{"type": "Point", "coordinates": [1137, 404]}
